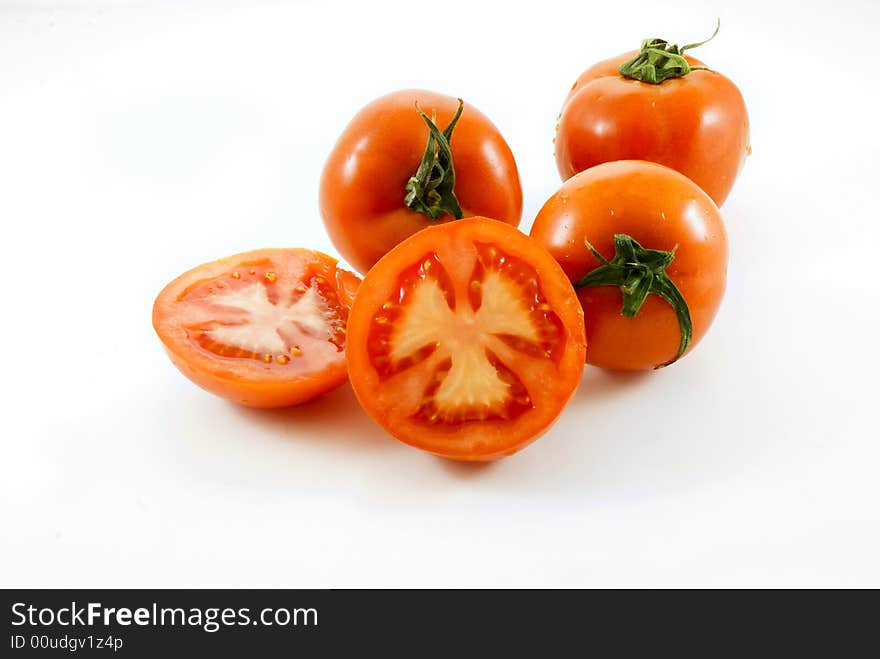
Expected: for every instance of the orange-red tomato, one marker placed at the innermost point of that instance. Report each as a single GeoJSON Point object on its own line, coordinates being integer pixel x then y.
{"type": "Point", "coordinates": [661, 210]}
{"type": "Point", "coordinates": [466, 340]}
{"type": "Point", "coordinates": [696, 124]}
{"type": "Point", "coordinates": [264, 328]}
{"type": "Point", "coordinates": [364, 182]}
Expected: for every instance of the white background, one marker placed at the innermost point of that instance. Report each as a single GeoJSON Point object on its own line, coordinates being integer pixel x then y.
{"type": "Point", "coordinates": [138, 140]}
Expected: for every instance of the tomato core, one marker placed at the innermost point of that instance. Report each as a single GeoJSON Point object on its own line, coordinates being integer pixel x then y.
{"type": "Point", "coordinates": [251, 313]}
{"type": "Point", "coordinates": [454, 337]}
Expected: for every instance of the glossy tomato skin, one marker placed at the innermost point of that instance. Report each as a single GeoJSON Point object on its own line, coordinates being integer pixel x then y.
{"type": "Point", "coordinates": [364, 180]}
{"type": "Point", "coordinates": [661, 209]}
{"type": "Point", "coordinates": [550, 381]}
{"type": "Point", "coordinates": [696, 124]}
{"type": "Point", "coordinates": [249, 382]}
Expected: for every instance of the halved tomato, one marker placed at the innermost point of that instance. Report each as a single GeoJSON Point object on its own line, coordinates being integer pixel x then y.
{"type": "Point", "coordinates": [466, 340]}
{"type": "Point", "coordinates": [264, 328]}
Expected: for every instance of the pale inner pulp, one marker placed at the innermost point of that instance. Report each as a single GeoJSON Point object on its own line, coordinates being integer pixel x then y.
{"type": "Point", "coordinates": [463, 336]}
{"type": "Point", "coordinates": [263, 327]}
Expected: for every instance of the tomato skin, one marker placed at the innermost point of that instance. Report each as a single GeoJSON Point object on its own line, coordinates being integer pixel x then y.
{"type": "Point", "coordinates": [261, 395]}
{"type": "Point", "coordinates": [262, 386]}
{"type": "Point", "coordinates": [696, 124]}
{"type": "Point", "coordinates": [552, 386]}
{"type": "Point", "coordinates": [661, 209]}
{"type": "Point", "coordinates": [363, 182]}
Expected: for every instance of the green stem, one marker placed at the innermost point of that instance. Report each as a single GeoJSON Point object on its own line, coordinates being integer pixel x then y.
{"type": "Point", "coordinates": [431, 190]}
{"type": "Point", "coordinates": [639, 272]}
{"type": "Point", "coordinates": [659, 60]}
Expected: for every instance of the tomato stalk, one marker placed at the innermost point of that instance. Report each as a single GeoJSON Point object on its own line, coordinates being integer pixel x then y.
{"type": "Point", "coordinates": [431, 190]}
{"type": "Point", "coordinates": [659, 60]}
{"type": "Point", "coordinates": [639, 272]}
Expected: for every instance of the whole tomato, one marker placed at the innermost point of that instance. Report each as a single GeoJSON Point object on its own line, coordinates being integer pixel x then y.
{"type": "Point", "coordinates": [660, 105]}
{"type": "Point", "coordinates": [646, 250]}
{"type": "Point", "coordinates": [410, 160]}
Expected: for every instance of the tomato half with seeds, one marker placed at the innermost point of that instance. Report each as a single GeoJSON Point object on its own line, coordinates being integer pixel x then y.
{"type": "Point", "coordinates": [410, 160]}
{"type": "Point", "coordinates": [264, 328]}
{"type": "Point", "coordinates": [467, 340]}
{"type": "Point", "coordinates": [646, 250]}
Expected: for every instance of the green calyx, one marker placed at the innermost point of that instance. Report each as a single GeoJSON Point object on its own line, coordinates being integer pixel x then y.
{"type": "Point", "coordinates": [431, 190]}
{"type": "Point", "coordinates": [639, 272]}
{"type": "Point", "coordinates": [659, 60]}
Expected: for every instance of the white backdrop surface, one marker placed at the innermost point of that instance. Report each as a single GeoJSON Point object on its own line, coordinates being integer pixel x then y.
{"type": "Point", "coordinates": [140, 139]}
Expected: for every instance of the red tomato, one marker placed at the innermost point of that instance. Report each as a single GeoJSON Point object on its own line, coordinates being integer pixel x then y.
{"type": "Point", "coordinates": [695, 123]}
{"type": "Point", "coordinates": [264, 328]}
{"type": "Point", "coordinates": [466, 340]}
{"type": "Point", "coordinates": [676, 236]}
{"type": "Point", "coordinates": [369, 175]}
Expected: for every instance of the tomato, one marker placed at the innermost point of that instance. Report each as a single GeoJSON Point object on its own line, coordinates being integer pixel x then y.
{"type": "Point", "coordinates": [264, 328]}
{"type": "Point", "coordinates": [666, 251]}
{"type": "Point", "coordinates": [466, 340]}
{"type": "Point", "coordinates": [694, 121]}
{"type": "Point", "coordinates": [392, 173]}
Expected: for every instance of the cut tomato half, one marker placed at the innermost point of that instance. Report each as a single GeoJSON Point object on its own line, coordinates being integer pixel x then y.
{"type": "Point", "coordinates": [264, 328]}
{"type": "Point", "coordinates": [466, 340]}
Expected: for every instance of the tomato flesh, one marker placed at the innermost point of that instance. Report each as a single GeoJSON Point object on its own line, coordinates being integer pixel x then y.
{"type": "Point", "coordinates": [266, 328]}
{"type": "Point", "coordinates": [459, 343]}
{"type": "Point", "coordinates": [250, 314]}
